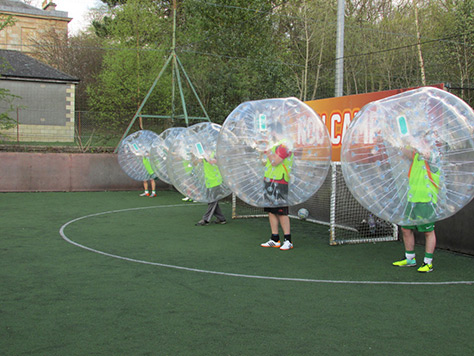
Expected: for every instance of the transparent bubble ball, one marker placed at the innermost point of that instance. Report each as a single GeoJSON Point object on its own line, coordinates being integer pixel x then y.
{"type": "Point", "coordinates": [134, 154]}
{"type": "Point", "coordinates": [192, 165]}
{"type": "Point", "coordinates": [409, 158]}
{"type": "Point", "coordinates": [159, 151]}
{"type": "Point", "coordinates": [254, 131]}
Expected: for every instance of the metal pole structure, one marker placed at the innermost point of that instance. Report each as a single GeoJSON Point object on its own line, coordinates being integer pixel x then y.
{"type": "Point", "coordinates": [340, 49]}
{"type": "Point", "coordinates": [173, 53]}
{"type": "Point", "coordinates": [192, 88]}
{"type": "Point", "coordinates": [176, 68]}
{"type": "Point", "coordinates": [181, 94]}
{"type": "Point", "coordinates": [176, 78]}
{"type": "Point", "coordinates": [137, 114]}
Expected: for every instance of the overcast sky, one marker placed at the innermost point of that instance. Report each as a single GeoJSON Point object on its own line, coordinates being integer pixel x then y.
{"type": "Point", "coordinates": [77, 9]}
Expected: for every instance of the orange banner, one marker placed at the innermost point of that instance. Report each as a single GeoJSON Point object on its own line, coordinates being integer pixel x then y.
{"type": "Point", "coordinates": [337, 113]}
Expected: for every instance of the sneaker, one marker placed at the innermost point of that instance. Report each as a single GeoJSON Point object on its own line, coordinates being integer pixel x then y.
{"type": "Point", "coordinates": [186, 199]}
{"type": "Point", "coordinates": [425, 268]}
{"type": "Point", "coordinates": [405, 263]}
{"type": "Point", "coordinates": [153, 195]}
{"type": "Point", "coordinates": [222, 222]}
{"type": "Point", "coordinates": [287, 245]}
{"type": "Point", "coordinates": [271, 243]}
{"type": "Point", "coordinates": [202, 223]}
{"type": "Point", "coordinates": [145, 194]}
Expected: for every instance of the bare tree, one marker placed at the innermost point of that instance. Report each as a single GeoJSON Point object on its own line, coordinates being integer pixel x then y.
{"type": "Point", "coordinates": [79, 56]}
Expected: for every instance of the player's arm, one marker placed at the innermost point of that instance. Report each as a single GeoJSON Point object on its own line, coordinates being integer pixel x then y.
{"type": "Point", "coordinates": [274, 159]}
{"type": "Point", "coordinates": [281, 152]}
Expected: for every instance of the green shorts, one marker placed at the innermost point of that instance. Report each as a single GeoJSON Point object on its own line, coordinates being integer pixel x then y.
{"type": "Point", "coordinates": [421, 228]}
{"type": "Point", "coordinates": [420, 211]}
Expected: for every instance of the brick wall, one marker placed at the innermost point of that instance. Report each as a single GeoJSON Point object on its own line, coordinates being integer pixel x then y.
{"type": "Point", "coordinates": [64, 172]}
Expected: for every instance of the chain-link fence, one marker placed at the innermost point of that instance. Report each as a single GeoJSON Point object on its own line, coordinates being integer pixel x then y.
{"type": "Point", "coordinates": [83, 131]}
{"type": "Point", "coordinates": [88, 131]}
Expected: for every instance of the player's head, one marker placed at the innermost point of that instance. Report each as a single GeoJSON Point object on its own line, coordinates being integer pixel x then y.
{"type": "Point", "coordinates": [275, 129]}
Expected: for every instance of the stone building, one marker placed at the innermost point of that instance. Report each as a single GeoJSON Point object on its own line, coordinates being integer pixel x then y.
{"type": "Point", "coordinates": [44, 103]}
{"type": "Point", "coordinates": [30, 24]}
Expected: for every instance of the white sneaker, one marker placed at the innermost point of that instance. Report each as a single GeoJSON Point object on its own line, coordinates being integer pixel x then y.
{"type": "Point", "coordinates": [271, 243]}
{"type": "Point", "coordinates": [153, 195]}
{"type": "Point", "coordinates": [185, 199]}
{"type": "Point", "coordinates": [145, 194]}
{"type": "Point", "coordinates": [287, 245]}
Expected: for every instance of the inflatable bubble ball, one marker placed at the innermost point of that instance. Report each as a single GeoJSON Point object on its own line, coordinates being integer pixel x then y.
{"type": "Point", "coordinates": [159, 151]}
{"type": "Point", "coordinates": [192, 165]}
{"type": "Point", "coordinates": [409, 158]}
{"type": "Point", "coordinates": [274, 152]}
{"type": "Point", "coordinates": [134, 155]}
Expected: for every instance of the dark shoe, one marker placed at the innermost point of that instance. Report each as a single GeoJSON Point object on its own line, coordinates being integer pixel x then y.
{"type": "Point", "coordinates": [221, 222]}
{"type": "Point", "coordinates": [202, 223]}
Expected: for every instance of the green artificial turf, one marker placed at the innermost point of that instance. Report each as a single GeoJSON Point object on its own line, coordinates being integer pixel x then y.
{"type": "Point", "coordinates": [177, 289]}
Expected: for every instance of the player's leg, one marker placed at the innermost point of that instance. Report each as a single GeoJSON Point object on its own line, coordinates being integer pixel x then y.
{"type": "Point", "coordinates": [146, 191]}
{"type": "Point", "coordinates": [409, 243]}
{"type": "Point", "coordinates": [430, 245]}
{"type": "Point", "coordinates": [430, 238]}
{"type": "Point", "coordinates": [284, 221]}
{"type": "Point", "coordinates": [153, 188]}
{"type": "Point", "coordinates": [207, 215]}
{"type": "Point", "coordinates": [285, 224]}
{"type": "Point", "coordinates": [275, 238]}
{"type": "Point", "coordinates": [219, 215]}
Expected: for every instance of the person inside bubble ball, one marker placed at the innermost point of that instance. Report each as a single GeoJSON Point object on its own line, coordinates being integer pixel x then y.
{"type": "Point", "coordinates": [213, 179]}
{"type": "Point", "coordinates": [422, 197]}
{"type": "Point", "coordinates": [146, 193]}
{"type": "Point", "coordinates": [279, 160]}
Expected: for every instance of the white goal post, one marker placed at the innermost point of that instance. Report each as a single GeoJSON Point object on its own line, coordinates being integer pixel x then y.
{"type": "Point", "coordinates": [333, 205]}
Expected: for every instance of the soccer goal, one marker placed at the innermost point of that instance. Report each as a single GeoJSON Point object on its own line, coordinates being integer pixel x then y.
{"type": "Point", "coordinates": [333, 205]}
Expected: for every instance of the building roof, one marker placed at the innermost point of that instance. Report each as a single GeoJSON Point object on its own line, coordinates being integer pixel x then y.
{"type": "Point", "coordinates": [18, 7]}
{"type": "Point", "coordinates": [15, 65]}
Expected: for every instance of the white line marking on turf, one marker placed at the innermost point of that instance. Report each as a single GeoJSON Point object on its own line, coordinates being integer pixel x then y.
{"type": "Point", "coordinates": [63, 235]}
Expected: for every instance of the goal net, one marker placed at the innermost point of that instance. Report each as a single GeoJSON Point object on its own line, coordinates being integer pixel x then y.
{"type": "Point", "coordinates": [333, 205]}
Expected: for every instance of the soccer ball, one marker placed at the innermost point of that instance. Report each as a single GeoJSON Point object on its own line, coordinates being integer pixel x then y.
{"type": "Point", "coordinates": [303, 213]}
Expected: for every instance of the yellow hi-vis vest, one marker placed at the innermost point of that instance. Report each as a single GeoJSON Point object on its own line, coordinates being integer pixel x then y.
{"type": "Point", "coordinates": [212, 174]}
{"type": "Point", "coordinates": [146, 163]}
{"type": "Point", "coordinates": [423, 183]}
{"type": "Point", "coordinates": [281, 171]}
